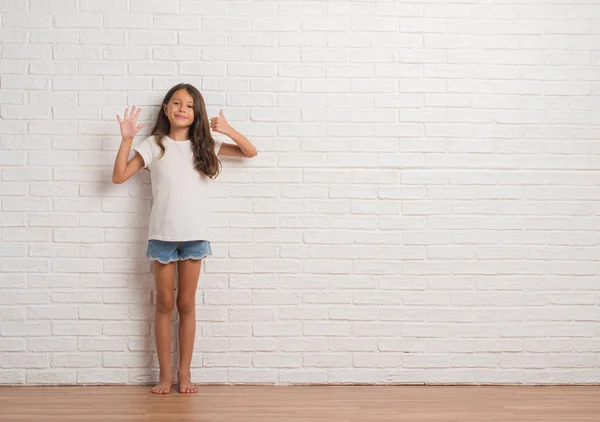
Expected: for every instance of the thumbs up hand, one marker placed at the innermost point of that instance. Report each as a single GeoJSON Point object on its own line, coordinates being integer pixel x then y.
{"type": "Point", "coordinates": [219, 124]}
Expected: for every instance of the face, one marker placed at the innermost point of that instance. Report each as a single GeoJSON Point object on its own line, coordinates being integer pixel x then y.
{"type": "Point", "coordinates": [180, 109]}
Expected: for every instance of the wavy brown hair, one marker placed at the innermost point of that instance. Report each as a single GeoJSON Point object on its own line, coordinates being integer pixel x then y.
{"type": "Point", "coordinates": [202, 143]}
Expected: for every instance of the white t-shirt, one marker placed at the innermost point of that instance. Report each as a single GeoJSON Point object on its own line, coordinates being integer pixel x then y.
{"type": "Point", "coordinates": [180, 211]}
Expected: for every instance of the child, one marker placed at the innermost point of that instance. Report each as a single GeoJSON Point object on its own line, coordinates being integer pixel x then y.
{"type": "Point", "coordinates": [181, 155]}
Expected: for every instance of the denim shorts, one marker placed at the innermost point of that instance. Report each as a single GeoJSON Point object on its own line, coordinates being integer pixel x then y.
{"type": "Point", "coordinates": [165, 252]}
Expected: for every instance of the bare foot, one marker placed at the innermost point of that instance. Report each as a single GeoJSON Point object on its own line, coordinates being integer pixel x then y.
{"type": "Point", "coordinates": [163, 386]}
{"type": "Point", "coordinates": [185, 383]}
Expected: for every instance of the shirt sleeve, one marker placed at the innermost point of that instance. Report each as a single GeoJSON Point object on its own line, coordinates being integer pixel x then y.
{"type": "Point", "coordinates": [146, 150]}
{"type": "Point", "coordinates": [218, 144]}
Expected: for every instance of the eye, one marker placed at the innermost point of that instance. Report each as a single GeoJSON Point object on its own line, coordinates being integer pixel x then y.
{"type": "Point", "coordinates": [190, 106]}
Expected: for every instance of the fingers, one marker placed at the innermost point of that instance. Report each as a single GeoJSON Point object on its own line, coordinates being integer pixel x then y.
{"type": "Point", "coordinates": [139, 127]}
{"type": "Point", "coordinates": [119, 119]}
{"type": "Point", "coordinates": [135, 113]}
{"type": "Point", "coordinates": [219, 123]}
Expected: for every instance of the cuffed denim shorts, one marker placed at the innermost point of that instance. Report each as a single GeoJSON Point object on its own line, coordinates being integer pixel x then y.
{"type": "Point", "coordinates": [165, 252]}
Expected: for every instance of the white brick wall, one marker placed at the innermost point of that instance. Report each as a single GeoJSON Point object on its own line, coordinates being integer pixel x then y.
{"type": "Point", "coordinates": [424, 209]}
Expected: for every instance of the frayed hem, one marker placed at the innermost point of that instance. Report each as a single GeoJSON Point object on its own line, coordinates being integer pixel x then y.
{"type": "Point", "coordinates": [161, 261]}
{"type": "Point", "coordinates": [198, 257]}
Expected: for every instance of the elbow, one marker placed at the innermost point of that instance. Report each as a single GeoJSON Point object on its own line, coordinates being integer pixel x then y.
{"type": "Point", "coordinates": [117, 180]}
{"type": "Point", "coordinates": [254, 154]}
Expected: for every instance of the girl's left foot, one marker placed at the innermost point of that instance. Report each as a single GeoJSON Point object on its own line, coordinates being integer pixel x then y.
{"type": "Point", "coordinates": [184, 379]}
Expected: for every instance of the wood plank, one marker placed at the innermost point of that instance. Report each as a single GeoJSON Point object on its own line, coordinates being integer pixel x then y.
{"type": "Point", "coordinates": [303, 403]}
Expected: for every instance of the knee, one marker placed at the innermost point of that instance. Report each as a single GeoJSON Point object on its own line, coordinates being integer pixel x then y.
{"type": "Point", "coordinates": [186, 305]}
{"type": "Point", "coordinates": [164, 305]}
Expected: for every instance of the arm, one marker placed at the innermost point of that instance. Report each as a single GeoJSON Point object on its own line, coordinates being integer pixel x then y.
{"type": "Point", "coordinates": [242, 148]}
{"type": "Point", "coordinates": [124, 169]}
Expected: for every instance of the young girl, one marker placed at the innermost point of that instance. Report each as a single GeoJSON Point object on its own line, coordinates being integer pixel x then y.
{"type": "Point", "coordinates": [181, 155]}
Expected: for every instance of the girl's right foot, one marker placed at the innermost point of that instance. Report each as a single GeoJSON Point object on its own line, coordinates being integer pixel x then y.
{"type": "Point", "coordinates": [163, 386]}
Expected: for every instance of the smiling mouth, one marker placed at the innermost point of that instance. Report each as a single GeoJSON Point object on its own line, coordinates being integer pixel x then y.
{"type": "Point", "coordinates": [181, 117]}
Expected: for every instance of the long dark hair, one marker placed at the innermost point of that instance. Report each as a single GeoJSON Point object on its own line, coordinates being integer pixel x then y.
{"type": "Point", "coordinates": [203, 144]}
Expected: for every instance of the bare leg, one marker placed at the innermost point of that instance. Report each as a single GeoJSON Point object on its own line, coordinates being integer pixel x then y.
{"type": "Point", "coordinates": [165, 302]}
{"type": "Point", "coordinates": [189, 272]}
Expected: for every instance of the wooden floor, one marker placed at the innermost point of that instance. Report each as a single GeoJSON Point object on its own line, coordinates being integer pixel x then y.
{"type": "Point", "coordinates": [303, 403]}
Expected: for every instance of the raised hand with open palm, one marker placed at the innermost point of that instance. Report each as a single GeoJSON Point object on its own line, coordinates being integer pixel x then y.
{"type": "Point", "coordinates": [128, 125]}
